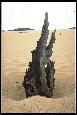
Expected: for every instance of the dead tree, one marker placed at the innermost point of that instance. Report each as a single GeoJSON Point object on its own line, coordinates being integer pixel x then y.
{"type": "Point", "coordinates": [39, 78]}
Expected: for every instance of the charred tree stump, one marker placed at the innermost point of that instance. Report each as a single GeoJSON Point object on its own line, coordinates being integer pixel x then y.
{"type": "Point", "coordinates": [39, 78]}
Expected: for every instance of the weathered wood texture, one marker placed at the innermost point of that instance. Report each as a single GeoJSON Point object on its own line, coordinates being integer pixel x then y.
{"type": "Point", "coordinates": [39, 78]}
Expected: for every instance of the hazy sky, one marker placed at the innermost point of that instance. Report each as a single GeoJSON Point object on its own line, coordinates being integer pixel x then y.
{"type": "Point", "coordinates": [31, 14]}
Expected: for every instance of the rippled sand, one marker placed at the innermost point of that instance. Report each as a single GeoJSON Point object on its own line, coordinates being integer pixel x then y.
{"type": "Point", "coordinates": [16, 54]}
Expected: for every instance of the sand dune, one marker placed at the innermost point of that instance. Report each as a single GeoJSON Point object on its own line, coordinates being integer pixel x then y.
{"type": "Point", "coordinates": [16, 54]}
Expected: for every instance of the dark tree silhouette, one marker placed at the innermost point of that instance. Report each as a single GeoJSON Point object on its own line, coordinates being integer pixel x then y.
{"type": "Point", "coordinates": [39, 78]}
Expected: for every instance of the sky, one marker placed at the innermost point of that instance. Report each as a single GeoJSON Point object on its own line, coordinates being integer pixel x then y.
{"type": "Point", "coordinates": [31, 15]}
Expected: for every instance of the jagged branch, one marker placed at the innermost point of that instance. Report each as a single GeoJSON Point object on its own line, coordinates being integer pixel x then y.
{"type": "Point", "coordinates": [50, 46]}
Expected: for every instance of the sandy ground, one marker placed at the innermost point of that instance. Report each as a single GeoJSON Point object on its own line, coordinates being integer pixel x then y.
{"type": "Point", "coordinates": [16, 54]}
